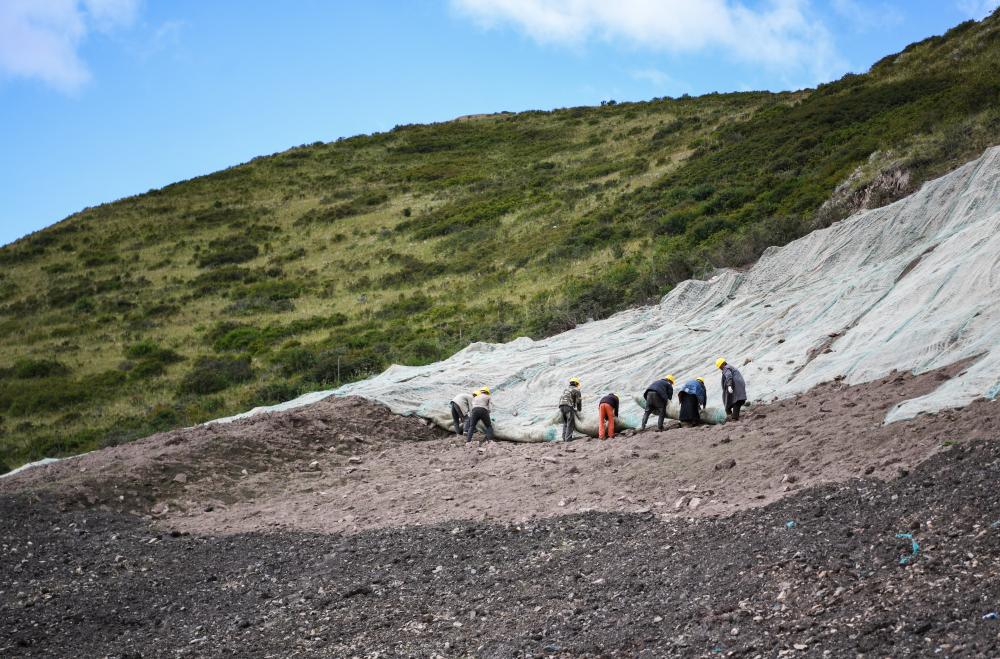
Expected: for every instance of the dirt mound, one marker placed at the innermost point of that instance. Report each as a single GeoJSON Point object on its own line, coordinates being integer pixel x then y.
{"type": "Point", "coordinates": [819, 573]}
{"type": "Point", "coordinates": [218, 464]}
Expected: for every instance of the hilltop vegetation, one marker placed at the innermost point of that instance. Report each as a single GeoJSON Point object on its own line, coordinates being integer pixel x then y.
{"type": "Point", "coordinates": [325, 263]}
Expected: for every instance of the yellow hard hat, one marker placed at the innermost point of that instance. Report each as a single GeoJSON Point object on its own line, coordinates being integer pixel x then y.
{"type": "Point", "coordinates": [485, 390]}
{"type": "Point", "coordinates": [575, 381]}
{"type": "Point", "coordinates": [669, 379]}
{"type": "Point", "coordinates": [719, 362]}
{"type": "Point", "coordinates": [702, 380]}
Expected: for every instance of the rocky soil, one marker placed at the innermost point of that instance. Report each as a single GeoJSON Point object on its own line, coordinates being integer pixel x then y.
{"type": "Point", "coordinates": [344, 465]}
{"type": "Point", "coordinates": [819, 573]}
{"type": "Point", "coordinates": [343, 530]}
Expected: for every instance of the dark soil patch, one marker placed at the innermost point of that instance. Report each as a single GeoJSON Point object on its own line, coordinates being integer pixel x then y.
{"type": "Point", "coordinates": [818, 573]}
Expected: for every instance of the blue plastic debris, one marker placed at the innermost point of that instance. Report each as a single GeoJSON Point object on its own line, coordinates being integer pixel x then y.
{"type": "Point", "coordinates": [996, 524]}
{"type": "Point", "coordinates": [903, 560]}
{"type": "Point", "coordinates": [992, 615]}
{"type": "Point", "coordinates": [790, 524]}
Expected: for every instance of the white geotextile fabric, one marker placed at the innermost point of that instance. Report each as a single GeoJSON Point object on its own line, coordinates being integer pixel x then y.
{"type": "Point", "coordinates": [911, 286]}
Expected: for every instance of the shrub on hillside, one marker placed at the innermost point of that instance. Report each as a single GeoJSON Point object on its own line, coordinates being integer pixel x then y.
{"type": "Point", "coordinates": [223, 277]}
{"type": "Point", "coordinates": [226, 251]}
{"type": "Point", "coordinates": [272, 394]}
{"type": "Point", "coordinates": [46, 395]}
{"type": "Point", "coordinates": [365, 203]}
{"type": "Point", "coordinates": [213, 374]}
{"type": "Point", "coordinates": [148, 359]}
{"type": "Point", "coordinates": [30, 369]}
{"type": "Point", "coordinates": [294, 360]}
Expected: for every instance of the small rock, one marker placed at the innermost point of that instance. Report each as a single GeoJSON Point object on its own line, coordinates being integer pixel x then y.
{"type": "Point", "coordinates": [725, 464]}
{"type": "Point", "coordinates": [354, 460]}
{"type": "Point", "coordinates": [680, 503]}
{"type": "Point", "coordinates": [314, 465]}
{"type": "Point", "coordinates": [695, 502]}
{"type": "Point", "coordinates": [181, 478]}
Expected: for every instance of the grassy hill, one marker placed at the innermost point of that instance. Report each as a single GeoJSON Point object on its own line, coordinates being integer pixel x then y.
{"type": "Point", "coordinates": [327, 262]}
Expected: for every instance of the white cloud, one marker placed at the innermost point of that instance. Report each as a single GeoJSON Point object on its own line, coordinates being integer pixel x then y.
{"type": "Point", "coordinates": [865, 17]}
{"type": "Point", "coordinates": [977, 9]}
{"type": "Point", "coordinates": [41, 38]}
{"type": "Point", "coordinates": [653, 76]}
{"type": "Point", "coordinates": [780, 34]}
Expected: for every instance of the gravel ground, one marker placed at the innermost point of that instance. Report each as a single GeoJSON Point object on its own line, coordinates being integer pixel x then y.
{"type": "Point", "coordinates": [817, 573]}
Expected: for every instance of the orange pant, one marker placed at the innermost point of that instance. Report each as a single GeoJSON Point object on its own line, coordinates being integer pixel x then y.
{"type": "Point", "coordinates": [605, 413]}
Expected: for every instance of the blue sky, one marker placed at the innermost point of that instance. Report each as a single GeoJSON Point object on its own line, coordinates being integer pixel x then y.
{"type": "Point", "coordinates": [101, 99]}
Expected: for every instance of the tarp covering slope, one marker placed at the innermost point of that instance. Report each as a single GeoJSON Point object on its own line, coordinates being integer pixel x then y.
{"type": "Point", "coordinates": [914, 285]}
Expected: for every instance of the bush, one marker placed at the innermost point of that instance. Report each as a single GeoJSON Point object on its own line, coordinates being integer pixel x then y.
{"type": "Point", "coordinates": [222, 278]}
{"type": "Point", "coordinates": [53, 394]}
{"type": "Point", "coordinates": [31, 369]}
{"type": "Point", "coordinates": [214, 374]}
{"type": "Point", "coordinates": [152, 351]}
{"type": "Point", "coordinates": [162, 417]}
{"type": "Point", "coordinates": [223, 251]}
{"type": "Point", "coordinates": [294, 360]}
{"type": "Point", "coordinates": [151, 360]}
{"type": "Point", "coordinates": [272, 394]}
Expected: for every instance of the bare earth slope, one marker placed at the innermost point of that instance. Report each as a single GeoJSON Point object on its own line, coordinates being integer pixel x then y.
{"type": "Point", "coordinates": [343, 465]}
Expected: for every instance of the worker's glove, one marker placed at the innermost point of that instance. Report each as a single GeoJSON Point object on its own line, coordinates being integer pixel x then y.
{"type": "Point", "coordinates": [729, 389]}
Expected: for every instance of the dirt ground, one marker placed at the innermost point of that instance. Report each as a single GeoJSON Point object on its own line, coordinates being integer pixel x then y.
{"type": "Point", "coordinates": [343, 530]}
{"type": "Point", "coordinates": [820, 573]}
{"type": "Point", "coordinates": [345, 465]}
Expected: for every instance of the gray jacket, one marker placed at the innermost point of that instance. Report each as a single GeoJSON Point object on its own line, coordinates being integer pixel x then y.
{"type": "Point", "coordinates": [732, 378]}
{"type": "Point", "coordinates": [464, 402]}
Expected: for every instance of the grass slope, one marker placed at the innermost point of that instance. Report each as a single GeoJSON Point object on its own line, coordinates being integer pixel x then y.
{"type": "Point", "coordinates": [327, 262]}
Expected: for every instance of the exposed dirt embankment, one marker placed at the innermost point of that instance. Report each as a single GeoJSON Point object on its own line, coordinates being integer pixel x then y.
{"type": "Point", "coordinates": [344, 465]}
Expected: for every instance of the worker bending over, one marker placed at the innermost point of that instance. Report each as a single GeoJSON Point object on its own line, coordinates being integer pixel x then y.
{"type": "Point", "coordinates": [657, 396]}
{"type": "Point", "coordinates": [570, 403]}
{"type": "Point", "coordinates": [607, 410]}
{"type": "Point", "coordinates": [461, 405]}
{"type": "Point", "coordinates": [734, 389]}
{"type": "Point", "coordinates": [481, 406]}
{"type": "Point", "coordinates": [693, 398]}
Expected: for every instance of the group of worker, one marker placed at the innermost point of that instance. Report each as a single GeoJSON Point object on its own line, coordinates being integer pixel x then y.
{"type": "Point", "coordinates": [469, 410]}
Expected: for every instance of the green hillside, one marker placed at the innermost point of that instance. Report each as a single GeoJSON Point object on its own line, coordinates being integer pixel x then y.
{"type": "Point", "coordinates": [327, 262]}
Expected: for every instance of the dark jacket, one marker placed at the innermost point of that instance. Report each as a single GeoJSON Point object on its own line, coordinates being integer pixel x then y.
{"type": "Point", "coordinates": [571, 396]}
{"type": "Point", "coordinates": [611, 400]}
{"type": "Point", "coordinates": [696, 388]}
{"type": "Point", "coordinates": [663, 388]}
{"type": "Point", "coordinates": [732, 378]}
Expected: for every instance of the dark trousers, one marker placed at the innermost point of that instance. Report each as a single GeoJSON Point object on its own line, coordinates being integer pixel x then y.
{"type": "Point", "coordinates": [569, 422]}
{"type": "Point", "coordinates": [654, 403]}
{"type": "Point", "coordinates": [733, 409]}
{"type": "Point", "coordinates": [475, 416]}
{"type": "Point", "coordinates": [458, 418]}
{"type": "Point", "coordinates": [689, 408]}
